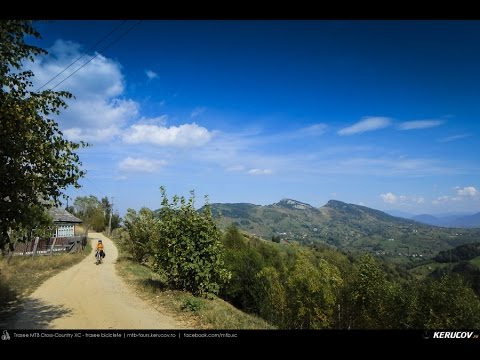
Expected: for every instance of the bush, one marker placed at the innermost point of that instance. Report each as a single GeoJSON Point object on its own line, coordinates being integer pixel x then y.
{"type": "Point", "coordinates": [192, 303]}
{"type": "Point", "coordinates": [188, 247]}
{"type": "Point", "coordinates": [142, 230]}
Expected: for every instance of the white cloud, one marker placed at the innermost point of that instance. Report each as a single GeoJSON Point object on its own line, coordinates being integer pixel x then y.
{"type": "Point", "coordinates": [97, 113]}
{"type": "Point", "coordinates": [314, 130]}
{"type": "Point", "coordinates": [462, 194]}
{"type": "Point", "coordinates": [185, 135]}
{"type": "Point", "coordinates": [445, 199]}
{"type": "Point", "coordinates": [440, 199]}
{"type": "Point", "coordinates": [151, 74]}
{"type": "Point", "coordinates": [97, 120]}
{"type": "Point", "coordinates": [367, 124]}
{"type": "Point", "coordinates": [159, 120]}
{"type": "Point", "coordinates": [260, 172]}
{"type": "Point", "coordinates": [454, 137]}
{"type": "Point", "coordinates": [389, 198]}
{"type": "Point", "coordinates": [130, 164]}
{"type": "Point", "coordinates": [419, 124]}
{"type": "Point", "coordinates": [197, 111]}
{"type": "Point", "coordinates": [466, 191]}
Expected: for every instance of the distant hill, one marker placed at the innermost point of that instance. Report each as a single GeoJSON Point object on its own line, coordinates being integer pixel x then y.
{"type": "Point", "coordinates": [468, 221]}
{"type": "Point", "coordinates": [343, 226]}
{"type": "Point", "coordinates": [428, 219]}
{"type": "Point", "coordinates": [459, 221]}
{"type": "Point", "coordinates": [399, 213]}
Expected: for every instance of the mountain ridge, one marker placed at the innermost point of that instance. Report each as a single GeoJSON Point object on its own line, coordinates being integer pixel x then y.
{"type": "Point", "coordinates": [459, 221]}
{"type": "Point", "coordinates": [341, 225]}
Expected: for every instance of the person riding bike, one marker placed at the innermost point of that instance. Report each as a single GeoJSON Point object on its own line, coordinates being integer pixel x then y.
{"type": "Point", "coordinates": [99, 248]}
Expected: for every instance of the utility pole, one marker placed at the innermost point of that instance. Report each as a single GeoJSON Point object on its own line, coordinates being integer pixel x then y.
{"type": "Point", "coordinates": [110, 220]}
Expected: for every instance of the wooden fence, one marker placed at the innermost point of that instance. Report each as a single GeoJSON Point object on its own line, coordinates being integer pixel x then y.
{"type": "Point", "coordinates": [50, 246]}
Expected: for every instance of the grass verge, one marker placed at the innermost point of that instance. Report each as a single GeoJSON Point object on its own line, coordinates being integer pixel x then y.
{"type": "Point", "coordinates": [23, 274]}
{"type": "Point", "coordinates": [193, 312]}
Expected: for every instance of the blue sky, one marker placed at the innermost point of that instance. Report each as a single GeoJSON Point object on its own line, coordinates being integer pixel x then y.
{"type": "Point", "coordinates": [379, 113]}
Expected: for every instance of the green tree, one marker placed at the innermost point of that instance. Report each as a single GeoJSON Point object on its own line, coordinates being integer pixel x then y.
{"type": "Point", "coordinates": [447, 303]}
{"type": "Point", "coordinates": [233, 239]}
{"type": "Point", "coordinates": [90, 210]}
{"type": "Point", "coordinates": [272, 296]}
{"type": "Point", "coordinates": [36, 163]}
{"type": "Point", "coordinates": [312, 294]}
{"type": "Point", "coordinates": [112, 219]}
{"type": "Point", "coordinates": [143, 229]}
{"type": "Point", "coordinates": [369, 295]}
{"type": "Point", "coordinates": [244, 262]}
{"type": "Point", "coordinates": [276, 238]}
{"type": "Point", "coordinates": [116, 220]}
{"type": "Point", "coordinates": [188, 248]}
{"type": "Point", "coordinates": [242, 291]}
{"type": "Point", "coordinates": [40, 224]}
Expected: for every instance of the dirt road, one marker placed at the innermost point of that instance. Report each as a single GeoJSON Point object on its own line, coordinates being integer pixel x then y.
{"type": "Point", "coordinates": [89, 296]}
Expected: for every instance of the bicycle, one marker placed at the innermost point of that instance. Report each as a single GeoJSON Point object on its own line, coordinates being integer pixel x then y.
{"type": "Point", "coordinates": [98, 257]}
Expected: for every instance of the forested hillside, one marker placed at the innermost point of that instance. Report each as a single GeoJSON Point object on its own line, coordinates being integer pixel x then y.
{"type": "Point", "coordinates": [343, 226]}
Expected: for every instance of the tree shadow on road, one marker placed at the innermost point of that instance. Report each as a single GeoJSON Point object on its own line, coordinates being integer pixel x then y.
{"type": "Point", "coordinates": [34, 314]}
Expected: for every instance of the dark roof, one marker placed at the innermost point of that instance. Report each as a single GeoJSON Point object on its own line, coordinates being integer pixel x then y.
{"type": "Point", "coordinates": [60, 215]}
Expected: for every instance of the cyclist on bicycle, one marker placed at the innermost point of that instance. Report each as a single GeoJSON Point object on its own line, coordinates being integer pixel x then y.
{"type": "Point", "coordinates": [99, 248]}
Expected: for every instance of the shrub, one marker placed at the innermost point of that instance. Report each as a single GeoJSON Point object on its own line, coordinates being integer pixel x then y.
{"type": "Point", "coordinates": [192, 303]}
{"type": "Point", "coordinates": [142, 230]}
{"type": "Point", "coordinates": [188, 247]}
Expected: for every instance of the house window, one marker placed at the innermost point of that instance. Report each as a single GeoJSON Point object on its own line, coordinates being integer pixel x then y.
{"type": "Point", "coordinates": [65, 230]}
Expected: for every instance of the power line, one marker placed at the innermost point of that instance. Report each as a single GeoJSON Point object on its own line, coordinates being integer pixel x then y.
{"type": "Point", "coordinates": [98, 53]}
{"type": "Point", "coordinates": [77, 59]}
{"type": "Point", "coordinates": [95, 186]}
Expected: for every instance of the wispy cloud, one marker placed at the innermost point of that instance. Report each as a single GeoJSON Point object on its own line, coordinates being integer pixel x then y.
{"type": "Point", "coordinates": [157, 121]}
{"type": "Point", "coordinates": [260, 172]}
{"type": "Point", "coordinates": [367, 124]}
{"type": "Point", "coordinates": [151, 74]}
{"type": "Point", "coordinates": [445, 199]}
{"type": "Point", "coordinates": [462, 194]}
{"type": "Point", "coordinates": [313, 130]}
{"type": "Point", "coordinates": [420, 124]}
{"type": "Point", "coordinates": [255, 151]}
{"type": "Point", "coordinates": [388, 166]}
{"type": "Point", "coordinates": [131, 164]}
{"type": "Point", "coordinates": [197, 111]}
{"type": "Point", "coordinates": [391, 198]}
{"type": "Point", "coordinates": [186, 135]}
{"type": "Point", "coordinates": [454, 137]}
{"type": "Point", "coordinates": [466, 191]}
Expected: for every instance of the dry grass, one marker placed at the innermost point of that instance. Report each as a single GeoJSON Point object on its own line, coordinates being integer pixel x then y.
{"type": "Point", "coordinates": [23, 274]}
{"type": "Point", "coordinates": [193, 312]}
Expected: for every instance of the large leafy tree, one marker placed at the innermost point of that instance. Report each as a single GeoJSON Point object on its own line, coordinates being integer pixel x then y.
{"type": "Point", "coordinates": [36, 162]}
{"type": "Point", "coordinates": [90, 210]}
{"type": "Point", "coordinates": [312, 293]}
